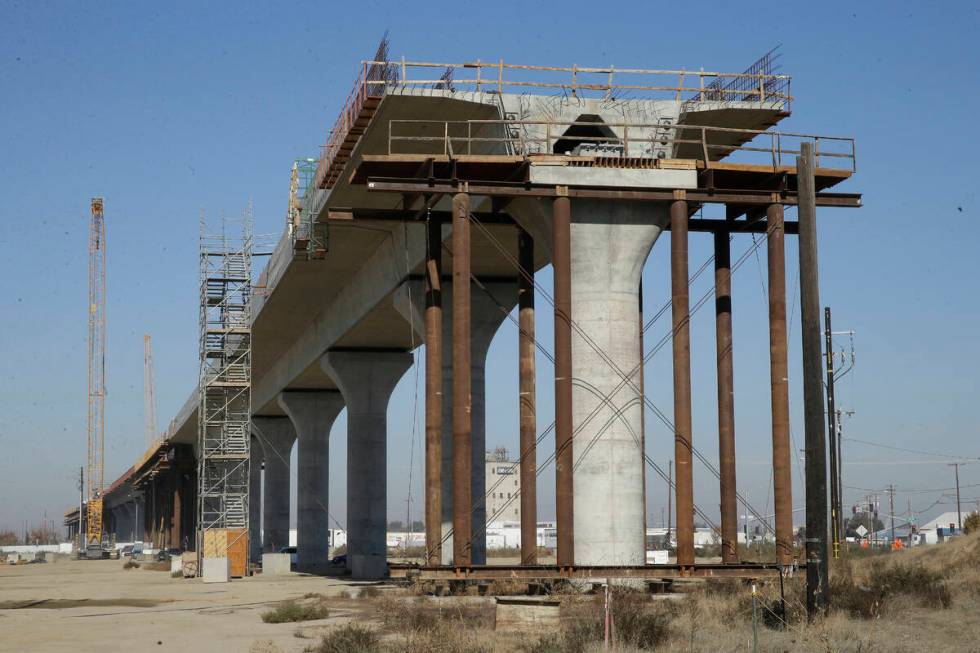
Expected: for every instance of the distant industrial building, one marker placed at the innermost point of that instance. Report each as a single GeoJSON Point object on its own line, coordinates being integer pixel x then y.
{"type": "Point", "coordinates": [503, 488]}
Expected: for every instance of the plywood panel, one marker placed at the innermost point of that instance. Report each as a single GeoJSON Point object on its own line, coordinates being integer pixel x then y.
{"type": "Point", "coordinates": [237, 552]}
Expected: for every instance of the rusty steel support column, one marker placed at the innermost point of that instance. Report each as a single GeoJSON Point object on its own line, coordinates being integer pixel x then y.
{"type": "Point", "coordinates": [779, 377]}
{"type": "Point", "coordinates": [462, 408]}
{"type": "Point", "coordinates": [528, 414]}
{"type": "Point", "coordinates": [562, 263]}
{"type": "Point", "coordinates": [726, 397]}
{"type": "Point", "coordinates": [680, 312]}
{"type": "Point", "coordinates": [433, 392]}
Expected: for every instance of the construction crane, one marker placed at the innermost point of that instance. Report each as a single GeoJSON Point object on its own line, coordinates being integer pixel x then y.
{"type": "Point", "coordinates": [94, 533]}
{"type": "Point", "coordinates": [149, 401]}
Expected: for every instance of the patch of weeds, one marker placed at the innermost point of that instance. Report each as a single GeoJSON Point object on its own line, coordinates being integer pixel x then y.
{"type": "Point", "coordinates": [290, 611]}
{"type": "Point", "coordinates": [176, 574]}
{"type": "Point", "coordinates": [129, 564]}
{"type": "Point", "coordinates": [349, 638]}
{"type": "Point", "coordinates": [368, 593]}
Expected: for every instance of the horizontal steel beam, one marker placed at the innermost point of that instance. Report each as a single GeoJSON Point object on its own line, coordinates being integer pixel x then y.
{"type": "Point", "coordinates": [728, 196]}
{"type": "Point", "coordinates": [597, 572]}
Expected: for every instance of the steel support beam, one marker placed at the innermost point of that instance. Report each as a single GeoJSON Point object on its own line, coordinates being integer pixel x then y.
{"type": "Point", "coordinates": [527, 400]}
{"type": "Point", "coordinates": [779, 380]}
{"type": "Point", "coordinates": [680, 311]}
{"type": "Point", "coordinates": [597, 573]}
{"type": "Point", "coordinates": [433, 391]}
{"type": "Point", "coordinates": [726, 397]}
{"type": "Point", "coordinates": [462, 399]}
{"type": "Point", "coordinates": [562, 263]}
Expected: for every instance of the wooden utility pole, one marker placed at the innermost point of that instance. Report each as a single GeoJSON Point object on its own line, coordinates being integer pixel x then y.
{"type": "Point", "coordinates": [817, 594]}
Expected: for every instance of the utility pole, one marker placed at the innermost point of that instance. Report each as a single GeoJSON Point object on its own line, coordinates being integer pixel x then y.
{"type": "Point", "coordinates": [817, 577]}
{"type": "Point", "coordinates": [670, 493]}
{"type": "Point", "coordinates": [891, 509]}
{"type": "Point", "coordinates": [835, 508]}
{"type": "Point", "coordinates": [959, 514]}
{"type": "Point", "coordinates": [81, 505]}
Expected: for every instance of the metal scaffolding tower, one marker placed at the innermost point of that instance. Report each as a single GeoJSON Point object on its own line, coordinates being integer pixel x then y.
{"type": "Point", "coordinates": [224, 417]}
{"type": "Point", "coordinates": [96, 375]}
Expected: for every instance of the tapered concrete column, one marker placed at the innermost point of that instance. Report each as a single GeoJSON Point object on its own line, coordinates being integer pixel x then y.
{"type": "Point", "coordinates": [312, 414]}
{"type": "Point", "coordinates": [486, 316]}
{"type": "Point", "coordinates": [256, 457]}
{"type": "Point", "coordinates": [366, 379]}
{"type": "Point", "coordinates": [610, 242]}
{"type": "Point", "coordinates": [277, 435]}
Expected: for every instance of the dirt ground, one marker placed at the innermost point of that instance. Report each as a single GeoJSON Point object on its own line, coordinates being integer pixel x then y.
{"type": "Point", "coordinates": [96, 605]}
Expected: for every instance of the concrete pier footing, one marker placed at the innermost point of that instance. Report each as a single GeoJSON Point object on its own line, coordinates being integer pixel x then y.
{"type": "Point", "coordinates": [366, 379]}
{"type": "Point", "coordinates": [277, 435]}
{"type": "Point", "coordinates": [312, 414]}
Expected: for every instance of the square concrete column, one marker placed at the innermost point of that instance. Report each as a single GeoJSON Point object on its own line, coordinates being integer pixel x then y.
{"type": "Point", "coordinates": [312, 413]}
{"type": "Point", "coordinates": [610, 242]}
{"type": "Point", "coordinates": [277, 436]}
{"type": "Point", "coordinates": [256, 458]}
{"type": "Point", "coordinates": [488, 312]}
{"type": "Point", "coordinates": [366, 379]}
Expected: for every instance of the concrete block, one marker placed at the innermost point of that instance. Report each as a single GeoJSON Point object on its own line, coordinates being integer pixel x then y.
{"type": "Point", "coordinates": [13, 558]}
{"type": "Point", "coordinates": [176, 565]}
{"type": "Point", "coordinates": [276, 564]}
{"type": "Point", "coordinates": [215, 570]}
{"type": "Point", "coordinates": [524, 613]}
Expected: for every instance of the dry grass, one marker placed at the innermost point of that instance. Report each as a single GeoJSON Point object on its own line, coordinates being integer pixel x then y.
{"type": "Point", "coordinates": [293, 611]}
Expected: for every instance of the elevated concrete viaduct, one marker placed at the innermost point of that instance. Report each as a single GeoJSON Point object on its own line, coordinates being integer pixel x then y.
{"type": "Point", "coordinates": [426, 183]}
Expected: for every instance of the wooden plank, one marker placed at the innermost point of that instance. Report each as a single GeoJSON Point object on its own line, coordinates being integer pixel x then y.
{"type": "Point", "coordinates": [237, 552]}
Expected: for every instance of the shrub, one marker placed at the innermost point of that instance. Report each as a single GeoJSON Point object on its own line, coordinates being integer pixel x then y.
{"type": "Point", "coordinates": [971, 523]}
{"type": "Point", "coordinates": [368, 593]}
{"type": "Point", "coordinates": [290, 611]}
{"type": "Point", "coordinates": [129, 564]}
{"type": "Point", "coordinates": [886, 582]}
{"type": "Point", "coordinates": [349, 638]}
{"type": "Point", "coordinates": [637, 622]}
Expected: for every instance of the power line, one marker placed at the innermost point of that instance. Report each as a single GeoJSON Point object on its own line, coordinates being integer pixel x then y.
{"type": "Point", "coordinates": [924, 453]}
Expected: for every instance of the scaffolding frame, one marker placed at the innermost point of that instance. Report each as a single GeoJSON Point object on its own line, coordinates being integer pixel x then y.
{"type": "Point", "coordinates": [224, 387]}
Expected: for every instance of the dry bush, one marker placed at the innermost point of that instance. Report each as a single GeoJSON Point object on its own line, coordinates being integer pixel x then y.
{"type": "Point", "coordinates": [507, 587]}
{"type": "Point", "coordinates": [972, 523]}
{"type": "Point", "coordinates": [129, 564]}
{"type": "Point", "coordinates": [291, 611]}
{"type": "Point", "coordinates": [638, 623]}
{"type": "Point", "coordinates": [349, 638]}
{"type": "Point", "coordinates": [156, 566]}
{"type": "Point", "coordinates": [515, 552]}
{"type": "Point", "coordinates": [418, 614]}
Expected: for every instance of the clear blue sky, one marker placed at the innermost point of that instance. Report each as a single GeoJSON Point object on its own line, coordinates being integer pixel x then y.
{"type": "Point", "coordinates": [165, 110]}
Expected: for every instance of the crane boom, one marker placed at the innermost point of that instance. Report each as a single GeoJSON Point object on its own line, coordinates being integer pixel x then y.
{"type": "Point", "coordinates": [149, 399]}
{"type": "Point", "coordinates": [96, 373]}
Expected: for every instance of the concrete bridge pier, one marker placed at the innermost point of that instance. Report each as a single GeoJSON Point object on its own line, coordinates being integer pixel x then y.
{"type": "Point", "coordinates": [278, 435]}
{"type": "Point", "coordinates": [255, 460]}
{"type": "Point", "coordinates": [486, 318]}
{"type": "Point", "coordinates": [609, 244]}
{"type": "Point", "coordinates": [312, 414]}
{"type": "Point", "coordinates": [366, 379]}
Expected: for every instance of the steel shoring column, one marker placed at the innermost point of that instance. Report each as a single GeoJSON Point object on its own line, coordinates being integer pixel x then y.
{"type": "Point", "coordinates": [462, 407]}
{"type": "Point", "coordinates": [433, 393]}
{"type": "Point", "coordinates": [255, 500]}
{"type": "Point", "coordinates": [680, 312]}
{"type": "Point", "coordinates": [779, 378]}
{"type": "Point", "coordinates": [726, 397]}
{"type": "Point", "coordinates": [527, 407]}
{"type": "Point", "coordinates": [562, 263]}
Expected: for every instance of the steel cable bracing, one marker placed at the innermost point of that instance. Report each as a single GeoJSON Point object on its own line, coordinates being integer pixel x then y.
{"type": "Point", "coordinates": [626, 380]}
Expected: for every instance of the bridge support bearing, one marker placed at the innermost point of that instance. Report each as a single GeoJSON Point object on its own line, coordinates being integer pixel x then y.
{"type": "Point", "coordinates": [312, 414]}
{"type": "Point", "coordinates": [366, 379]}
{"type": "Point", "coordinates": [277, 436]}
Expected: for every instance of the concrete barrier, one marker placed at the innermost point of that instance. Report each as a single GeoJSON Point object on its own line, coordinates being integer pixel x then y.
{"type": "Point", "coordinates": [275, 564]}
{"type": "Point", "coordinates": [215, 570]}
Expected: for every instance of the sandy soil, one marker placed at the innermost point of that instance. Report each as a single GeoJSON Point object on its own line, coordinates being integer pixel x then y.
{"type": "Point", "coordinates": [99, 606]}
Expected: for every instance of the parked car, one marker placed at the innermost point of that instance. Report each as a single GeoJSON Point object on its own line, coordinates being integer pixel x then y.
{"type": "Point", "coordinates": [127, 551]}
{"type": "Point", "coordinates": [164, 555]}
{"type": "Point", "coordinates": [291, 550]}
{"type": "Point", "coordinates": [340, 560]}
